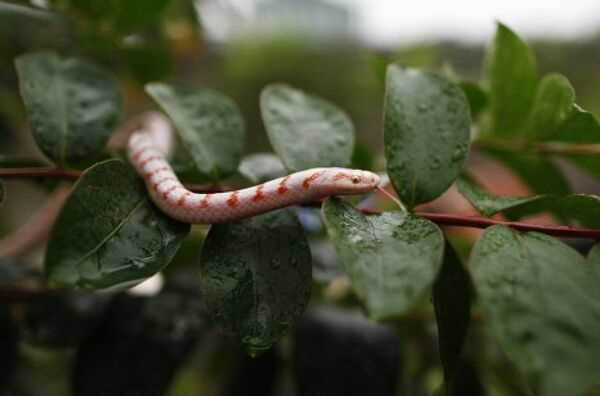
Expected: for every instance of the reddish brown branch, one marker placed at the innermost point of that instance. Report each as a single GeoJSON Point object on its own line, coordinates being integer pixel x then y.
{"type": "Point", "coordinates": [58, 173]}
{"type": "Point", "coordinates": [482, 222]}
{"type": "Point", "coordinates": [439, 218]}
{"type": "Point", "coordinates": [46, 173]}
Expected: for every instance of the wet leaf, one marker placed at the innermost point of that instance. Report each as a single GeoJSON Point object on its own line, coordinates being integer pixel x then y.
{"type": "Point", "coordinates": [582, 208]}
{"type": "Point", "coordinates": [109, 234]}
{"type": "Point", "coordinates": [256, 276]}
{"type": "Point", "coordinates": [541, 301]}
{"type": "Point", "coordinates": [262, 167]}
{"type": "Point", "coordinates": [581, 126]}
{"type": "Point", "coordinates": [306, 131]}
{"type": "Point", "coordinates": [476, 97]}
{"type": "Point", "coordinates": [452, 299]}
{"type": "Point", "coordinates": [73, 106]}
{"type": "Point", "coordinates": [553, 104]}
{"type": "Point", "coordinates": [427, 132]}
{"type": "Point", "coordinates": [391, 259]}
{"type": "Point", "coordinates": [511, 74]}
{"type": "Point", "coordinates": [539, 172]}
{"type": "Point", "coordinates": [488, 204]}
{"type": "Point", "coordinates": [209, 124]}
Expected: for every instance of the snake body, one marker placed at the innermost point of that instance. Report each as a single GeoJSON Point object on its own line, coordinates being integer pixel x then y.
{"type": "Point", "coordinates": [148, 149]}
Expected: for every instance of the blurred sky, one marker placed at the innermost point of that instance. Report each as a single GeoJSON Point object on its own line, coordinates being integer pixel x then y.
{"type": "Point", "coordinates": [392, 22]}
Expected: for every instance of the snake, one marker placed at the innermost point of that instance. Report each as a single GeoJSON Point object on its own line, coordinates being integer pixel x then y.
{"type": "Point", "coordinates": [149, 146]}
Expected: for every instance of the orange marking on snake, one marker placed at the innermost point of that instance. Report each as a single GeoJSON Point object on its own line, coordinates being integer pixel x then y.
{"type": "Point", "coordinates": [204, 202]}
{"type": "Point", "coordinates": [182, 199]}
{"type": "Point", "coordinates": [259, 195]}
{"type": "Point", "coordinates": [340, 175]}
{"type": "Point", "coordinates": [310, 179]}
{"type": "Point", "coordinates": [282, 187]}
{"type": "Point", "coordinates": [166, 193]}
{"type": "Point", "coordinates": [233, 200]}
{"type": "Point", "coordinates": [151, 158]}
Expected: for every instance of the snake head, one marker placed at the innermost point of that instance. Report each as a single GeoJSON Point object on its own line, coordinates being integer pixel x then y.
{"type": "Point", "coordinates": [351, 181]}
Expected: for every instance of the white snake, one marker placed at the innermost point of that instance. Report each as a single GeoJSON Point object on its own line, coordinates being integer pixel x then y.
{"type": "Point", "coordinates": [150, 145]}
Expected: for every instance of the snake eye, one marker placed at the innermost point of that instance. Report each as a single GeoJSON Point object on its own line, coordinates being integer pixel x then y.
{"type": "Point", "coordinates": [355, 179]}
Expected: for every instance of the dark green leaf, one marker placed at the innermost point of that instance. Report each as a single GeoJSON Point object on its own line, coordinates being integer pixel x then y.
{"type": "Point", "coordinates": [23, 28]}
{"type": "Point", "coordinates": [209, 124]}
{"type": "Point", "coordinates": [261, 167]}
{"type": "Point", "coordinates": [583, 208]}
{"type": "Point", "coordinates": [124, 15]}
{"type": "Point", "coordinates": [512, 77]}
{"type": "Point", "coordinates": [304, 130]}
{"type": "Point", "coordinates": [553, 104]}
{"type": "Point", "coordinates": [73, 106]}
{"type": "Point", "coordinates": [488, 204]}
{"type": "Point", "coordinates": [476, 96]}
{"type": "Point", "coordinates": [256, 276]}
{"type": "Point", "coordinates": [452, 297]}
{"type": "Point", "coordinates": [109, 234]}
{"type": "Point", "coordinates": [542, 303]}
{"type": "Point", "coordinates": [427, 131]}
{"type": "Point", "coordinates": [542, 176]}
{"type": "Point", "coordinates": [392, 258]}
{"type": "Point", "coordinates": [580, 127]}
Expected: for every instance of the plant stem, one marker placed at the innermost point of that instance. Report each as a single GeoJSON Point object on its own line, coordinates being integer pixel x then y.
{"type": "Point", "coordinates": [58, 173]}
{"type": "Point", "coordinates": [446, 219]}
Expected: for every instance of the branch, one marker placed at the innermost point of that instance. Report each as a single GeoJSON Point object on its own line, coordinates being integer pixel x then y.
{"type": "Point", "coordinates": [63, 174]}
{"type": "Point", "coordinates": [439, 218]}
{"type": "Point", "coordinates": [482, 222]}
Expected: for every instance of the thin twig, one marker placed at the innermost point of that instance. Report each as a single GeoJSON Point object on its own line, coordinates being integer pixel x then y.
{"type": "Point", "coordinates": [482, 222]}
{"type": "Point", "coordinates": [63, 174]}
{"type": "Point", "coordinates": [439, 218]}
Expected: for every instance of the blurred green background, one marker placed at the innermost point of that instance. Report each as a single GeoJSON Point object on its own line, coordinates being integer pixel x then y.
{"type": "Point", "coordinates": [312, 45]}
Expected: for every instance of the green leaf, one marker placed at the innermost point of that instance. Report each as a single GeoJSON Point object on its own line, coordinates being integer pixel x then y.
{"type": "Point", "coordinates": [488, 204]}
{"type": "Point", "coordinates": [209, 124]}
{"type": "Point", "coordinates": [583, 208]}
{"type": "Point", "coordinates": [512, 77]}
{"type": "Point", "coordinates": [580, 127]}
{"type": "Point", "coordinates": [73, 106]}
{"type": "Point", "coordinates": [125, 15]}
{"type": "Point", "coordinates": [542, 302]}
{"type": "Point", "coordinates": [256, 276]}
{"type": "Point", "coordinates": [304, 130]}
{"type": "Point", "coordinates": [427, 131]}
{"type": "Point", "coordinates": [109, 234]}
{"type": "Point", "coordinates": [2, 192]}
{"type": "Point", "coordinates": [542, 176]}
{"type": "Point", "coordinates": [261, 167]}
{"type": "Point", "coordinates": [392, 258]}
{"type": "Point", "coordinates": [452, 298]}
{"type": "Point", "coordinates": [552, 106]}
{"type": "Point", "coordinates": [476, 97]}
